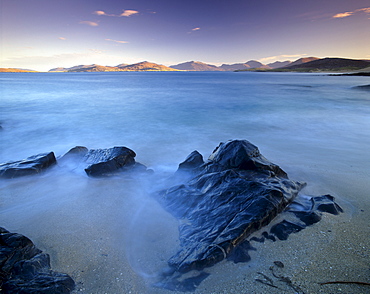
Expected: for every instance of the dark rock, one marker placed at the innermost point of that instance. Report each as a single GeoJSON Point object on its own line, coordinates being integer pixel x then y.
{"type": "Point", "coordinates": [29, 166]}
{"type": "Point", "coordinates": [303, 212]}
{"type": "Point", "coordinates": [284, 229]}
{"type": "Point", "coordinates": [326, 203]}
{"type": "Point", "coordinates": [235, 193]}
{"type": "Point", "coordinates": [77, 151]}
{"type": "Point", "coordinates": [243, 155]}
{"type": "Point", "coordinates": [25, 269]}
{"type": "Point", "coordinates": [105, 162]}
{"type": "Point", "coordinates": [192, 162]}
{"type": "Point", "coordinates": [241, 252]}
{"type": "Point", "coordinates": [268, 236]}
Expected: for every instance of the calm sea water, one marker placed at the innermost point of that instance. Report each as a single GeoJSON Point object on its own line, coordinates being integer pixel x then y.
{"type": "Point", "coordinates": [164, 116]}
{"type": "Point", "coordinates": [315, 127]}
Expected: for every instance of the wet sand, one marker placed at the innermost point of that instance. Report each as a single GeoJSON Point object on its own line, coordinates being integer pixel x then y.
{"type": "Point", "coordinates": [111, 238]}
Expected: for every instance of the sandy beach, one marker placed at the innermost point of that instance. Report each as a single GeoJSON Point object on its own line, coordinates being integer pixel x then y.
{"type": "Point", "coordinates": [112, 238]}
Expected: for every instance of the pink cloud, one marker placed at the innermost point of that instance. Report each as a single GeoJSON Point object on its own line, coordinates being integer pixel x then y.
{"type": "Point", "coordinates": [99, 12]}
{"type": "Point", "coordinates": [343, 14]}
{"type": "Point", "coordinates": [90, 23]}
{"type": "Point", "coordinates": [349, 13]}
{"type": "Point", "coordinates": [120, 42]}
{"type": "Point", "coordinates": [128, 13]}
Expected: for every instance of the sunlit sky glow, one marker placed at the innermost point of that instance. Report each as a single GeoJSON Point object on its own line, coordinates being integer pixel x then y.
{"type": "Point", "coordinates": [43, 34]}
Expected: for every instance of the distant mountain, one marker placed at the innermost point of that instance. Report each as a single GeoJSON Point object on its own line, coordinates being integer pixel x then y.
{"type": "Point", "coordinates": [93, 68]}
{"type": "Point", "coordinates": [195, 66]}
{"type": "Point", "coordinates": [122, 65]}
{"type": "Point", "coordinates": [16, 70]}
{"type": "Point", "coordinates": [278, 64]}
{"type": "Point", "coordinates": [201, 66]}
{"type": "Point", "coordinates": [73, 68]}
{"type": "Point", "coordinates": [141, 66]}
{"type": "Point", "coordinates": [329, 64]}
{"type": "Point", "coordinates": [307, 64]}
{"type": "Point", "coordinates": [303, 60]}
{"type": "Point", "coordinates": [256, 64]}
{"type": "Point", "coordinates": [58, 69]}
{"type": "Point", "coordinates": [235, 66]}
{"type": "Point", "coordinates": [146, 66]}
{"type": "Point", "coordinates": [243, 66]}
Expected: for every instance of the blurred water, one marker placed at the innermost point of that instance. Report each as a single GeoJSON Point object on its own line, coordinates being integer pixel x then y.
{"type": "Point", "coordinates": [164, 116]}
{"type": "Point", "coordinates": [315, 127]}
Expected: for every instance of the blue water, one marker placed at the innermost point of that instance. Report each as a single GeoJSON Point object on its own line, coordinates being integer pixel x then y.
{"type": "Point", "coordinates": [316, 127]}
{"type": "Point", "coordinates": [164, 116]}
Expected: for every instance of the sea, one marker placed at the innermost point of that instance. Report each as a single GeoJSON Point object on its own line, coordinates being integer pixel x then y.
{"type": "Point", "coordinates": [109, 234]}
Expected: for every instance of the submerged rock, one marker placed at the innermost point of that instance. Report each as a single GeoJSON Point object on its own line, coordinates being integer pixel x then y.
{"type": "Point", "coordinates": [26, 269]}
{"type": "Point", "coordinates": [29, 166]}
{"type": "Point", "coordinates": [235, 193]}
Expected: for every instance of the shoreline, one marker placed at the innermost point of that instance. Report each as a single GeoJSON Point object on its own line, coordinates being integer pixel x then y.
{"type": "Point", "coordinates": [92, 250]}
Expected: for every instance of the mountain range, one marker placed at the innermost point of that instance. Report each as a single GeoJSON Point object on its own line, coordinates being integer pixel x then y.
{"type": "Point", "coordinates": [186, 66]}
{"type": "Point", "coordinates": [307, 64]}
{"type": "Point", "coordinates": [141, 66]}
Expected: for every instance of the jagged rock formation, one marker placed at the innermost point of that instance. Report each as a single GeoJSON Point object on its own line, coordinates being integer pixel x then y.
{"type": "Point", "coordinates": [26, 269]}
{"type": "Point", "coordinates": [223, 201]}
{"type": "Point", "coordinates": [235, 193]}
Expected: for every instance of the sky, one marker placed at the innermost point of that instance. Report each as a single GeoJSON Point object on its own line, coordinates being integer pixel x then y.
{"type": "Point", "coordinates": [44, 34]}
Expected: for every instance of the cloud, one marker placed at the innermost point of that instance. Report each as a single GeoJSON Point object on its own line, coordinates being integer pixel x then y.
{"type": "Point", "coordinates": [128, 13]}
{"type": "Point", "coordinates": [366, 10]}
{"type": "Point", "coordinates": [125, 13]}
{"type": "Point", "coordinates": [343, 14]}
{"type": "Point", "coordinates": [349, 13]}
{"type": "Point", "coordinates": [281, 57]}
{"type": "Point", "coordinates": [99, 12]}
{"type": "Point", "coordinates": [62, 38]}
{"type": "Point", "coordinates": [120, 42]}
{"type": "Point", "coordinates": [194, 30]}
{"type": "Point", "coordinates": [44, 63]}
{"type": "Point", "coordinates": [90, 23]}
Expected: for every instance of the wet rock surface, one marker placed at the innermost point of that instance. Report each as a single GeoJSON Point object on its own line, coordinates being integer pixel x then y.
{"type": "Point", "coordinates": [29, 166]}
{"type": "Point", "coordinates": [223, 201]}
{"type": "Point", "coordinates": [26, 269]}
{"type": "Point", "coordinates": [104, 162]}
{"type": "Point", "coordinates": [95, 162]}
